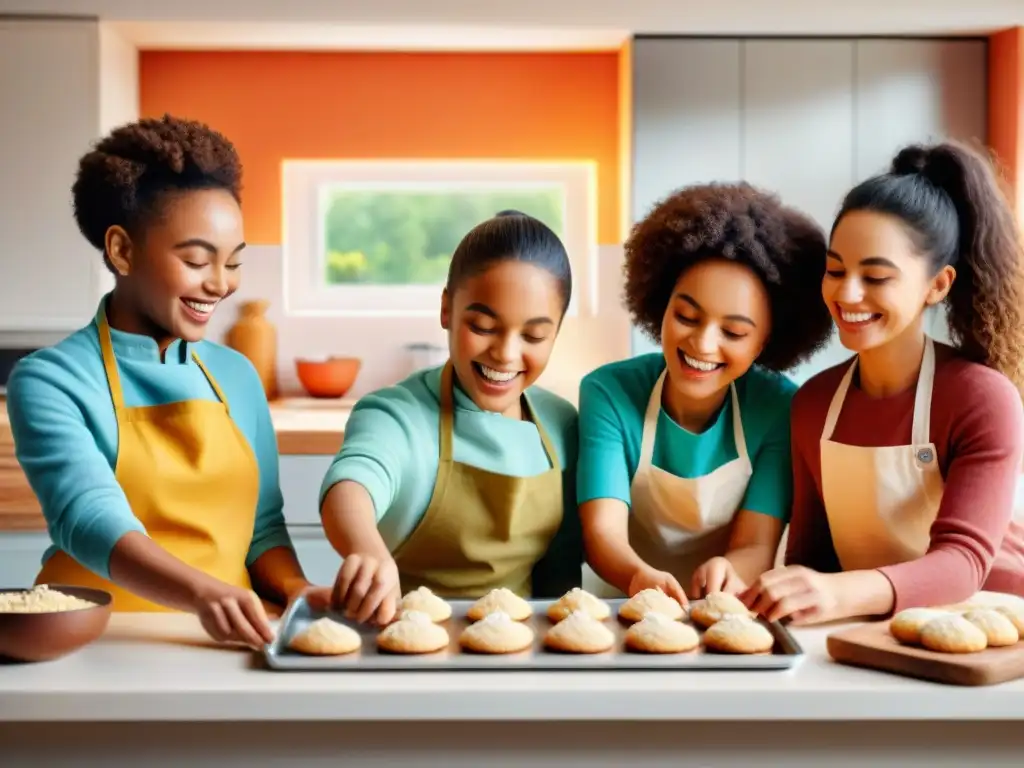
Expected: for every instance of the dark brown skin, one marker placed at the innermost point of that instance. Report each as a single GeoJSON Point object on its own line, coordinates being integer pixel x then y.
{"type": "Point", "coordinates": [191, 251]}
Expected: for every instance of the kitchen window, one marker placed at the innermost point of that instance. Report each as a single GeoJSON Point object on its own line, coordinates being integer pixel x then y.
{"type": "Point", "coordinates": [374, 238]}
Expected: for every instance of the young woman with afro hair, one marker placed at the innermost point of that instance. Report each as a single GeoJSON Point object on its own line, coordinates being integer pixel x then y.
{"type": "Point", "coordinates": [684, 469]}
{"type": "Point", "coordinates": [907, 459]}
{"type": "Point", "coordinates": [151, 450]}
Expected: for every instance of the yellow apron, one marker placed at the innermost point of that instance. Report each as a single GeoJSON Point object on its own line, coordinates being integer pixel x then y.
{"type": "Point", "coordinates": [190, 478]}
{"type": "Point", "coordinates": [481, 530]}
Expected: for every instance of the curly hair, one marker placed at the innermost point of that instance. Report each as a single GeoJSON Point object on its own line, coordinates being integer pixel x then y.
{"type": "Point", "coordinates": [951, 201]}
{"type": "Point", "coordinates": [123, 180]}
{"type": "Point", "coordinates": [749, 226]}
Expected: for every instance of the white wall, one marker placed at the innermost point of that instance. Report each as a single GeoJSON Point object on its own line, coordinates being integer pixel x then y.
{"type": "Point", "coordinates": [805, 118]}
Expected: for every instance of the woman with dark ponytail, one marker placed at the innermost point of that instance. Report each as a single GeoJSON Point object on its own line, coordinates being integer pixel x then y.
{"type": "Point", "coordinates": [906, 460]}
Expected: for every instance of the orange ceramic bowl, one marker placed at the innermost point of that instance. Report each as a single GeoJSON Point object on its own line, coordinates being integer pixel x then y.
{"type": "Point", "coordinates": [28, 637]}
{"type": "Point", "coordinates": [327, 376]}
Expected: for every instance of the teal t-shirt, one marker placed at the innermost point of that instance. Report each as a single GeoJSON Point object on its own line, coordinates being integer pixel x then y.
{"type": "Point", "coordinates": [65, 433]}
{"type": "Point", "coordinates": [613, 401]}
{"type": "Point", "coordinates": [391, 448]}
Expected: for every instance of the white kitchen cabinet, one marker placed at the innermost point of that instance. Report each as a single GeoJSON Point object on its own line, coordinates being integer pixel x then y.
{"type": "Point", "coordinates": [62, 83]}
{"type": "Point", "coordinates": [21, 554]}
{"type": "Point", "coordinates": [49, 89]}
{"type": "Point", "coordinates": [687, 118]}
{"type": "Point", "coordinates": [806, 118]}
{"type": "Point", "coordinates": [301, 478]}
{"type": "Point", "coordinates": [918, 90]}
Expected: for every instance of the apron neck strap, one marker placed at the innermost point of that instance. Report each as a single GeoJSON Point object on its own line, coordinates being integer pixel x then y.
{"type": "Point", "coordinates": [650, 427]}
{"type": "Point", "coordinates": [446, 426]}
{"type": "Point", "coordinates": [114, 377]}
{"type": "Point", "coordinates": [922, 398]}
{"type": "Point", "coordinates": [110, 363]}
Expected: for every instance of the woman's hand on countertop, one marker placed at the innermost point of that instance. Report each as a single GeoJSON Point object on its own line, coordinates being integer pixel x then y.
{"type": "Point", "coordinates": [233, 614]}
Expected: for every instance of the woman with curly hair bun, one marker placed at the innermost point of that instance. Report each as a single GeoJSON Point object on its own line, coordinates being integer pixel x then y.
{"type": "Point", "coordinates": [151, 450]}
{"type": "Point", "coordinates": [906, 460]}
{"type": "Point", "coordinates": [684, 466]}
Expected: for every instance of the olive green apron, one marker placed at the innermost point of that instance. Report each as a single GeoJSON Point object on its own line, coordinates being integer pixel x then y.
{"type": "Point", "coordinates": [482, 530]}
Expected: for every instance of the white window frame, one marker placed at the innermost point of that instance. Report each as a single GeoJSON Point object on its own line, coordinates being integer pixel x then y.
{"type": "Point", "coordinates": [306, 295]}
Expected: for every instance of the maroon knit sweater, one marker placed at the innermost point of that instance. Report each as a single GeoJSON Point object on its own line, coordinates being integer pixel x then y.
{"type": "Point", "coordinates": [977, 426]}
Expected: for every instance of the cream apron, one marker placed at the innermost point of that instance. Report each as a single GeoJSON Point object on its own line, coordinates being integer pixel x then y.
{"type": "Point", "coordinates": [481, 530]}
{"type": "Point", "coordinates": [190, 478]}
{"type": "Point", "coordinates": [881, 501]}
{"type": "Point", "coordinates": [677, 523]}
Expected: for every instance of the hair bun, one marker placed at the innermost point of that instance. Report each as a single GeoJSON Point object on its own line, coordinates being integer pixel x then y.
{"type": "Point", "coordinates": [939, 164]}
{"type": "Point", "coordinates": [911, 160]}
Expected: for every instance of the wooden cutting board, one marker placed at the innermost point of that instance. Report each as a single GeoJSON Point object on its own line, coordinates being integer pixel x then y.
{"type": "Point", "coordinates": [871, 645]}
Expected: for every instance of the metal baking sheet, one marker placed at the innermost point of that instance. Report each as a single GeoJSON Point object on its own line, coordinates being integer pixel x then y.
{"type": "Point", "coordinates": [786, 654]}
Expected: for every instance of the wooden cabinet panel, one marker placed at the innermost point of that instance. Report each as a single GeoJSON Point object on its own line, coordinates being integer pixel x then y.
{"type": "Point", "coordinates": [19, 510]}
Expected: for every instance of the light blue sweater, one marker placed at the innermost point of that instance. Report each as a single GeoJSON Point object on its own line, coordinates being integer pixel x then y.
{"type": "Point", "coordinates": [65, 433]}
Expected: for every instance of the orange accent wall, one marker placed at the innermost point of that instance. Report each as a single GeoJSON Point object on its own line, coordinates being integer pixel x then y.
{"type": "Point", "coordinates": [276, 105]}
{"type": "Point", "coordinates": [1006, 106]}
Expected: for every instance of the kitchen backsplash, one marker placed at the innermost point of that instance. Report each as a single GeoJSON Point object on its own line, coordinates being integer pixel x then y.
{"type": "Point", "coordinates": [381, 343]}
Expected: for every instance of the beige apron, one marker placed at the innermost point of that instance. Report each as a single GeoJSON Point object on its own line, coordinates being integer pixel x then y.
{"type": "Point", "coordinates": [881, 501]}
{"type": "Point", "coordinates": [678, 523]}
{"type": "Point", "coordinates": [481, 530]}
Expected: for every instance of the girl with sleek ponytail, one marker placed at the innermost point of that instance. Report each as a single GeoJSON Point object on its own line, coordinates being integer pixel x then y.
{"type": "Point", "coordinates": [906, 459]}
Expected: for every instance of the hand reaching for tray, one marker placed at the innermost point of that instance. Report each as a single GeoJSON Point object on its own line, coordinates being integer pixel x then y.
{"type": "Point", "coordinates": [717, 575]}
{"type": "Point", "coordinates": [367, 588]}
{"type": "Point", "coordinates": [649, 578]}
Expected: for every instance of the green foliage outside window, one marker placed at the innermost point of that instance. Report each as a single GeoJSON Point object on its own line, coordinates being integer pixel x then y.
{"type": "Point", "coordinates": [406, 237]}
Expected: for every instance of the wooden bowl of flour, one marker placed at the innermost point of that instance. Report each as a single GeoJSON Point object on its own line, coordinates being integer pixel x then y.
{"type": "Point", "coordinates": [46, 623]}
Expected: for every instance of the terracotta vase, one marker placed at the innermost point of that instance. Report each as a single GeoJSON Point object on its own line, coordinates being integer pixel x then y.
{"type": "Point", "coordinates": [256, 338]}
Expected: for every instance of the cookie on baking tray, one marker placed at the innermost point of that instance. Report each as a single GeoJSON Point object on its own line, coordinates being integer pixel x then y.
{"type": "Point", "coordinates": [738, 634]}
{"type": "Point", "coordinates": [906, 625]}
{"type": "Point", "coordinates": [953, 634]}
{"type": "Point", "coordinates": [577, 599]}
{"type": "Point", "coordinates": [658, 633]}
{"type": "Point", "coordinates": [647, 600]}
{"type": "Point", "coordinates": [326, 637]}
{"type": "Point", "coordinates": [500, 599]}
{"type": "Point", "coordinates": [579, 633]}
{"type": "Point", "coordinates": [496, 632]}
{"type": "Point", "coordinates": [717, 606]}
{"type": "Point", "coordinates": [414, 632]}
{"type": "Point", "coordinates": [423, 600]}
{"type": "Point", "coordinates": [998, 628]}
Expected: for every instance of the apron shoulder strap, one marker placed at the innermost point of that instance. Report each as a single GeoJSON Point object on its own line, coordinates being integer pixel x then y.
{"type": "Point", "coordinates": [836, 406]}
{"type": "Point", "coordinates": [446, 417]}
{"type": "Point", "coordinates": [545, 439]}
{"type": "Point", "coordinates": [213, 382]}
{"type": "Point", "coordinates": [110, 363]}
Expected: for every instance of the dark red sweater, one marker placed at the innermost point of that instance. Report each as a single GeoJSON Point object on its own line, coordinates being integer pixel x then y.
{"type": "Point", "coordinates": [977, 426]}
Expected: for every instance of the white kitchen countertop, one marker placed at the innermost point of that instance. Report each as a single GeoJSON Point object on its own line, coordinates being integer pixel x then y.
{"type": "Point", "coordinates": [161, 668]}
